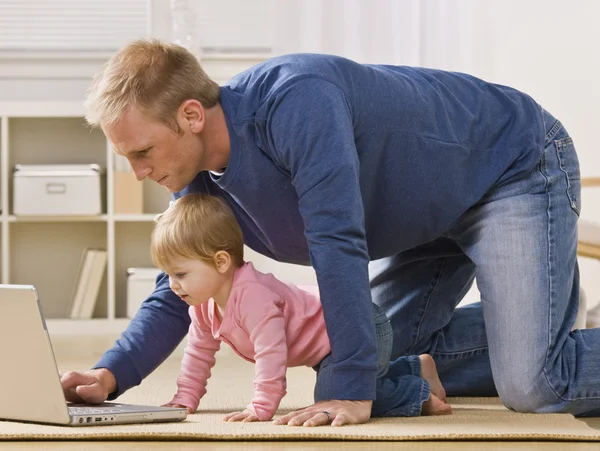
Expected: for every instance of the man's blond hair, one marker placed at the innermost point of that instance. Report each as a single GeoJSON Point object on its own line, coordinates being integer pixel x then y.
{"type": "Point", "coordinates": [196, 226]}
{"type": "Point", "coordinates": [152, 76]}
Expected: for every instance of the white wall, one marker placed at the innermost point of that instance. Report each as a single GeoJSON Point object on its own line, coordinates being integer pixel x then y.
{"type": "Point", "coordinates": [547, 48]}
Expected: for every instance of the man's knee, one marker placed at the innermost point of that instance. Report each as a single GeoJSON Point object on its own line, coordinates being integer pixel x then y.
{"type": "Point", "coordinates": [529, 395]}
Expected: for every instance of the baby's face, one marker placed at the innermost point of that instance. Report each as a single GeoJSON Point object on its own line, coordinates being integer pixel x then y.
{"type": "Point", "coordinates": [194, 281]}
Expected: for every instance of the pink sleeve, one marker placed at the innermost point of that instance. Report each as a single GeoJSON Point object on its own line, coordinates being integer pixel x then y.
{"type": "Point", "coordinates": [263, 319]}
{"type": "Point", "coordinates": [198, 359]}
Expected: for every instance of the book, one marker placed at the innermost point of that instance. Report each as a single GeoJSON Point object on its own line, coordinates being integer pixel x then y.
{"type": "Point", "coordinates": [89, 281]}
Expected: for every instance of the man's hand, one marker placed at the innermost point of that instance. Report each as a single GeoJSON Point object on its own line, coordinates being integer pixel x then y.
{"type": "Point", "coordinates": [90, 387]}
{"type": "Point", "coordinates": [340, 413]}
{"type": "Point", "coordinates": [246, 416]}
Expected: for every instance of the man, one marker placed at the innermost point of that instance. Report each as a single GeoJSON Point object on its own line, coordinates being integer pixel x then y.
{"type": "Point", "coordinates": [433, 177]}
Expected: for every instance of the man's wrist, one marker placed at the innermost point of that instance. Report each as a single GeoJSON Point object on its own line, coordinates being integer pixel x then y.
{"type": "Point", "coordinates": [106, 378]}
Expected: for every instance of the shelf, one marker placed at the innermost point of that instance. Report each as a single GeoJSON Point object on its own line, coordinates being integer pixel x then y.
{"type": "Point", "coordinates": [53, 55]}
{"type": "Point", "coordinates": [100, 218]}
{"type": "Point", "coordinates": [149, 217]}
{"type": "Point", "coordinates": [135, 218]}
{"type": "Point", "coordinates": [42, 109]}
{"type": "Point", "coordinates": [45, 251]}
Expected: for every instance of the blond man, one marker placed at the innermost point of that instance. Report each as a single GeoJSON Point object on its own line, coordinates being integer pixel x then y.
{"type": "Point", "coordinates": [398, 185]}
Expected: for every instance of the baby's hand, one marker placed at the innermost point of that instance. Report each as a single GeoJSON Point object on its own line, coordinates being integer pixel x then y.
{"type": "Point", "coordinates": [181, 406]}
{"type": "Point", "coordinates": [246, 416]}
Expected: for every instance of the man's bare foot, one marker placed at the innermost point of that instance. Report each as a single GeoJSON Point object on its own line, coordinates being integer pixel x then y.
{"type": "Point", "coordinates": [430, 374]}
{"type": "Point", "coordinates": [435, 406]}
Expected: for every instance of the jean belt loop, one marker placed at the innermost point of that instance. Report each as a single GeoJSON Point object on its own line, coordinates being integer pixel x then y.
{"type": "Point", "coordinates": [554, 129]}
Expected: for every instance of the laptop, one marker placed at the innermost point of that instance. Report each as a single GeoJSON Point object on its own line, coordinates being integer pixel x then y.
{"type": "Point", "coordinates": [30, 388]}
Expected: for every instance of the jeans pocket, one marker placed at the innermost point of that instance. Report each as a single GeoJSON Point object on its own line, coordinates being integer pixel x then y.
{"type": "Point", "coordinates": [385, 339]}
{"type": "Point", "coordinates": [569, 165]}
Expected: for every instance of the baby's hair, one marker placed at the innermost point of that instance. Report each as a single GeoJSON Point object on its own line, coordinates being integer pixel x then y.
{"type": "Point", "coordinates": [196, 226]}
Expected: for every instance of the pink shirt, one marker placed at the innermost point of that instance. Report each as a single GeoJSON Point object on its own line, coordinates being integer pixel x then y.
{"type": "Point", "coordinates": [273, 324]}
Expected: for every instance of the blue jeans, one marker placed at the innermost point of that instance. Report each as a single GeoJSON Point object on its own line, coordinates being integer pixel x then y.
{"type": "Point", "coordinates": [520, 242]}
{"type": "Point", "coordinates": [400, 389]}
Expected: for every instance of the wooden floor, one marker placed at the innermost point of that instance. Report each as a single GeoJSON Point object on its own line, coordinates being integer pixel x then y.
{"type": "Point", "coordinates": [72, 353]}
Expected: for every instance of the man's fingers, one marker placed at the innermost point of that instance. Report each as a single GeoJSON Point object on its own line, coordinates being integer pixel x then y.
{"type": "Point", "coordinates": [318, 419]}
{"type": "Point", "coordinates": [91, 394]}
{"type": "Point", "coordinates": [282, 420]}
{"type": "Point", "coordinates": [83, 387]}
{"type": "Point", "coordinates": [70, 382]}
{"type": "Point", "coordinates": [334, 412]}
{"type": "Point", "coordinates": [72, 396]}
{"type": "Point", "coordinates": [285, 419]}
{"type": "Point", "coordinates": [300, 418]}
{"type": "Point", "coordinates": [339, 420]}
{"type": "Point", "coordinates": [72, 379]}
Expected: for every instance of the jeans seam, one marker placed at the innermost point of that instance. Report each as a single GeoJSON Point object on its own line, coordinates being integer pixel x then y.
{"type": "Point", "coordinates": [415, 365]}
{"type": "Point", "coordinates": [462, 354]}
{"type": "Point", "coordinates": [552, 132]}
{"type": "Point", "coordinates": [550, 288]}
{"type": "Point", "coordinates": [559, 146]}
{"type": "Point", "coordinates": [424, 395]}
{"type": "Point", "coordinates": [433, 285]}
{"type": "Point", "coordinates": [544, 174]}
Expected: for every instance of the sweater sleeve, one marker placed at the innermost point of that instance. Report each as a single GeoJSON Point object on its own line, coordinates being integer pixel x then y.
{"type": "Point", "coordinates": [310, 130]}
{"type": "Point", "coordinates": [198, 359]}
{"type": "Point", "coordinates": [264, 322]}
{"type": "Point", "coordinates": [151, 336]}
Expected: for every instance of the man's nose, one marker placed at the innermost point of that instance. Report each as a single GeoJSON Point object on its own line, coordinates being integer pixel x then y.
{"type": "Point", "coordinates": [141, 171]}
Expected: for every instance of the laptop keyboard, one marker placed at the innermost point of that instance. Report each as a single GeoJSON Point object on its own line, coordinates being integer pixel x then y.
{"type": "Point", "coordinates": [87, 410]}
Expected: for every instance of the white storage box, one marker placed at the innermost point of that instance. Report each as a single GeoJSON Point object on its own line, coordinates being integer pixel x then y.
{"type": "Point", "coordinates": [57, 190]}
{"type": "Point", "coordinates": [140, 284]}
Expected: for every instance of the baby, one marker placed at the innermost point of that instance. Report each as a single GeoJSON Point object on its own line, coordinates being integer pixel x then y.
{"type": "Point", "coordinates": [273, 324]}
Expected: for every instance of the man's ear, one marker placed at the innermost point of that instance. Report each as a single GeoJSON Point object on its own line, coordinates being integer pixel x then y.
{"type": "Point", "coordinates": [191, 116]}
{"type": "Point", "coordinates": [222, 261]}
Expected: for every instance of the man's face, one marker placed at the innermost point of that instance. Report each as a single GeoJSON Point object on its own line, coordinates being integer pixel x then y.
{"type": "Point", "coordinates": [155, 151]}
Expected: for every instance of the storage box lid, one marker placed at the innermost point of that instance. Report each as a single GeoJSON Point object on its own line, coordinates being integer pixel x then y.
{"type": "Point", "coordinates": [57, 170]}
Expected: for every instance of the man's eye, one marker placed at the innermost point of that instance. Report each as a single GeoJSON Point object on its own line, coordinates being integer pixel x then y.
{"type": "Point", "coordinates": [143, 153]}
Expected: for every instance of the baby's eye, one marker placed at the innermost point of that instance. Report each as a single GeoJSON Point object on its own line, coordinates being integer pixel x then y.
{"type": "Point", "coordinates": [180, 275]}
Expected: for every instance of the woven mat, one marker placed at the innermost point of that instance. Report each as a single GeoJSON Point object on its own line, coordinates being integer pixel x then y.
{"type": "Point", "coordinates": [230, 389]}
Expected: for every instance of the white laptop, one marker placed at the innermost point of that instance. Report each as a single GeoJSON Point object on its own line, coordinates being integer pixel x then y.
{"type": "Point", "coordinates": [30, 388]}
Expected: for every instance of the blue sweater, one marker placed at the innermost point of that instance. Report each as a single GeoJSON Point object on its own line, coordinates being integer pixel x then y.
{"type": "Point", "coordinates": [333, 164]}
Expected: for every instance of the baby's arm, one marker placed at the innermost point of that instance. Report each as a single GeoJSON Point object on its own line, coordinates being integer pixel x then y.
{"type": "Point", "coordinates": [266, 328]}
{"type": "Point", "coordinates": [198, 359]}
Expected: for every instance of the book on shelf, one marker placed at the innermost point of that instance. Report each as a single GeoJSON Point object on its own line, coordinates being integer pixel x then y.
{"type": "Point", "coordinates": [89, 281]}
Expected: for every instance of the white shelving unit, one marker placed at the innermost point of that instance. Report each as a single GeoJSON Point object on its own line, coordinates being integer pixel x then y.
{"type": "Point", "coordinates": [46, 251]}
